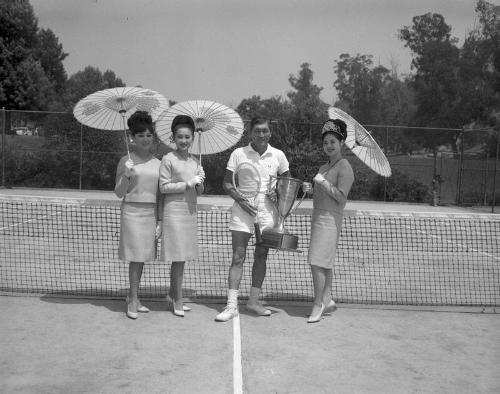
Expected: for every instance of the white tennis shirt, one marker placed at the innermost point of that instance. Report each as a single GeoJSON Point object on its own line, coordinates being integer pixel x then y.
{"type": "Point", "coordinates": [271, 163]}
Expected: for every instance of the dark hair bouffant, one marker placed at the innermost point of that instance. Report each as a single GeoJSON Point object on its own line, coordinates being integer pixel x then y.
{"type": "Point", "coordinates": [182, 120]}
{"type": "Point", "coordinates": [336, 127]}
{"type": "Point", "coordinates": [140, 121]}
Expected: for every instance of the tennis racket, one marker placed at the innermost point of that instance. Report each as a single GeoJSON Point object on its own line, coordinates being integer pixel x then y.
{"type": "Point", "coordinates": [247, 182]}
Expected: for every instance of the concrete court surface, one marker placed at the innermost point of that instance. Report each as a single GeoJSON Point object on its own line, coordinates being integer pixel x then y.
{"type": "Point", "coordinates": [67, 345]}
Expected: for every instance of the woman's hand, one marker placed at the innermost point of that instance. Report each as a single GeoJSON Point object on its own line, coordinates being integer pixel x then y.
{"type": "Point", "coordinates": [319, 178]}
{"type": "Point", "coordinates": [159, 226]}
{"type": "Point", "coordinates": [307, 188]}
{"type": "Point", "coordinates": [194, 181]}
{"type": "Point", "coordinates": [201, 172]}
{"type": "Point", "coordinates": [129, 165]}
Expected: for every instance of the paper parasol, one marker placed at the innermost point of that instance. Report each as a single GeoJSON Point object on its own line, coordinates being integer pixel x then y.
{"type": "Point", "coordinates": [362, 144]}
{"type": "Point", "coordinates": [217, 127]}
{"type": "Point", "coordinates": [109, 109]}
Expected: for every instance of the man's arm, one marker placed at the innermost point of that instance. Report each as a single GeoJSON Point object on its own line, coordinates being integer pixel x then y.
{"type": "Point", "coordinates": [227, 185]}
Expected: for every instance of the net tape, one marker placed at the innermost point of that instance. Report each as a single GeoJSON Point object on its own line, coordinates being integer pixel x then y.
{"type": "Point", "coordinates": [71, 248]}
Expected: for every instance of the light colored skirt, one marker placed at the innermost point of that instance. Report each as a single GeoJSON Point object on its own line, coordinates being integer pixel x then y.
{"type": "Point", "coordinates": [180, 232]}
{"type": "Point", "coordinates": [137, 232]}
{"type": "Point", "coordinates": [325, 231]}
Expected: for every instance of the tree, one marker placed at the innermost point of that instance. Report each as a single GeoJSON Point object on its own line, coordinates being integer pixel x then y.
{"type": "Point", "coordinates": [51, 55]}
{"type": "Point", "coordinates": [359, 87]}
{"type": "Point", "coordinates": [31, 67]}
{"type": "Point", "coordinates": [305, 98]}
{"type": "Point", "coordinates": [374, 95]}
{"type": "Point", "coordinates": [435, 59]}
{"type": "Point", "coordinates": [87, 81]}
{"type": "Point", "coordinates": [102, 149]}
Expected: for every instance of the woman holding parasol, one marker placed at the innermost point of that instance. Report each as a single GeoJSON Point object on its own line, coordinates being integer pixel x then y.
{"type": "Point", "coordinates": [181, 180]}
{"type": "Point", "coordinates": [137, 185]}
{"type": "Point", "coordinates": [331, 187]}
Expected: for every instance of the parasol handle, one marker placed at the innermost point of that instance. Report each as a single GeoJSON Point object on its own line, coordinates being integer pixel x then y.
{"type": "Point", "coordinates": [199, 143]}
{"type": "Point", "coordinates": [122, 112]}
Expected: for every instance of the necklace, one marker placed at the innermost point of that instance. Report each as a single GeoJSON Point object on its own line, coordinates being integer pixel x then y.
{"type": "Point", "coordinates": [330, 164]}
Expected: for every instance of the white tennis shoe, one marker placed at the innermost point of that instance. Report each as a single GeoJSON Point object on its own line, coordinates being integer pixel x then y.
{"type": "Point", "coordinates": [227, 314]}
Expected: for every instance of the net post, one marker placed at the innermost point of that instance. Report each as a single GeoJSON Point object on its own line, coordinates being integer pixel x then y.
{"type": "Point", "coordinates": [3, 147]}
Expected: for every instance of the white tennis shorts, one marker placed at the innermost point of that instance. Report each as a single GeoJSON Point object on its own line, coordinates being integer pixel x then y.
{"type": "Point", "coordinates": [242, 221]}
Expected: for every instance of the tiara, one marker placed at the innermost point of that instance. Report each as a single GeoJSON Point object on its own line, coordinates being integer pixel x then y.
{"type": "Point", "coordinates": [330, 126]}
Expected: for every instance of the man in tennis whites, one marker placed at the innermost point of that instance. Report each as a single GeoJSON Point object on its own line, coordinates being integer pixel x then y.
{"type": "Point", "coordinates": [269, 162]}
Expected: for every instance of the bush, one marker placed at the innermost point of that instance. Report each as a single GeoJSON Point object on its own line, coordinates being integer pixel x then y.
{"type": "Point", "coordinates": [400, 187]}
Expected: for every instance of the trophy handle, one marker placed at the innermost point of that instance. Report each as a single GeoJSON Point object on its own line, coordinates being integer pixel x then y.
{"type": "Point", "coordinates": [269, 184]}
{"type": "Point", "coordinates": [300, 202]}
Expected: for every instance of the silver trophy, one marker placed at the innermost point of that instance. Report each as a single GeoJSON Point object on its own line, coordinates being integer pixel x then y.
{"type": "Point", "coordinates": [286, 194]}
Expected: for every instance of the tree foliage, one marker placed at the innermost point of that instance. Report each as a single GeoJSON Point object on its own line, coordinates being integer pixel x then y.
{"type": "Point", "coordinates": [88, 81]}
{"type": "Point", "coordinates": [32, 75]}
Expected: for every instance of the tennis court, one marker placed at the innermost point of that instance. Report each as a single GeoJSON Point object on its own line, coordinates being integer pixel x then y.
{"type": "Point", "coordinates": [419, 291]}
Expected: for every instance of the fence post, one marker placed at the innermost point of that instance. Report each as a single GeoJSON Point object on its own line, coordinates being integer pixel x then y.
{"type": "Point", "coordinates": [81, 156]}
{"type": "Point", "coordinates": [435, 182]}
{"type": "Point", "coordinates": [3, 147]}
{"type": "Point", "coordinates": [493, 200]}
{"type": "Point", "coordinates": [460, 151]}
{"type": "Point", "coordinates": [386, 151]}
{"type": "Point", "coordinates": [484, 180]}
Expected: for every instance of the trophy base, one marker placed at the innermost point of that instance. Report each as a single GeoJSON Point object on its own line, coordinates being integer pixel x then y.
{"type": "Point", "coordinates": [275, 240]}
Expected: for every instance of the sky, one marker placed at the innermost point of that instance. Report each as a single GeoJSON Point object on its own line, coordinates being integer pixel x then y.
{"type": "Point", "coordinates": [228, 50]}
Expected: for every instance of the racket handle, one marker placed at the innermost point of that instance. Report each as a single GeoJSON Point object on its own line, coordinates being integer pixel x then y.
{"type": "Point", "coordinates": [258, 234]}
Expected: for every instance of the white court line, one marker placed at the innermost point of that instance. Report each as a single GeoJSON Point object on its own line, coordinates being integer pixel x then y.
{"type": "Point", "coordinates": [454, 243]}
{"type": "Point", "coordinates": [29, 221]}
{"type": "Point", "coordinates": [237, 370]}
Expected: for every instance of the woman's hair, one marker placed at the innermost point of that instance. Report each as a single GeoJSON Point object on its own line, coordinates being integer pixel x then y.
{"type": "Point", "coordinates": [140, 121]}
{"type": "Point", "coordinates": [182, 120]}
{"type": "Point", "coordinates": [336, 127]}
{"type": "Point", "coordinates": [257, 120]}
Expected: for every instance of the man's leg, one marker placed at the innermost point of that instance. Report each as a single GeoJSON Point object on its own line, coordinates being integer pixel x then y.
{"type": "Point", "coordinates": [240, 241]}
{"type": "Point", "coordinates": [258, 274]}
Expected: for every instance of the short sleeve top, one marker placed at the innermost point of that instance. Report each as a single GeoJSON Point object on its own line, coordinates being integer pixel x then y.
{"type": "Point", "coordinates": [143, 181]}
{"type": "Point", "coordinates": [271, 163]}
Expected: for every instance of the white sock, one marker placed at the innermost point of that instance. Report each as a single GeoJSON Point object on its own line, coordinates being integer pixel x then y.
{"type": "Point", "coordinates": [232, 298]}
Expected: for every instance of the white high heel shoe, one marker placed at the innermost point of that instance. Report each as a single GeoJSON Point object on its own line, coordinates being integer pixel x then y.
{"type": "Point", "coordinates": [130, 314]}
{"type": "Point", "coordinates": [170, 301]}
{"type": "Point", "coordinates": [316, 318]}
{"type": "Point", "coordinates": [142, 308]}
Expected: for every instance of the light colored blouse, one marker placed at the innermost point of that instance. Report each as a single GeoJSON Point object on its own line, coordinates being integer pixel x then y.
{"type": "Point", "coordinates": [331, 194]}
{"type": "Point", "coordinates": [175, 172]}
{"type": "Point", "coordinates": [142, 186]}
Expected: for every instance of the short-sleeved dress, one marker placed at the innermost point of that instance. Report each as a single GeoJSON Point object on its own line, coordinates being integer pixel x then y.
{"type": "Point", "coordinates": [327, 216]}
{"type": "Point", "coordinates": [138, 214]}
{"type": "Point", "coordinates": [180, 223]}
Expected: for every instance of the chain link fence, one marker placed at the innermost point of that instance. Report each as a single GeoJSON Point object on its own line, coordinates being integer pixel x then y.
{"type": "Point", "coordinates": [434, 166]}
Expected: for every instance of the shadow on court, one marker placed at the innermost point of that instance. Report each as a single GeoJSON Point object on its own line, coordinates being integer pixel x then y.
{"type": "Point", "coordinates": [54, 345]}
